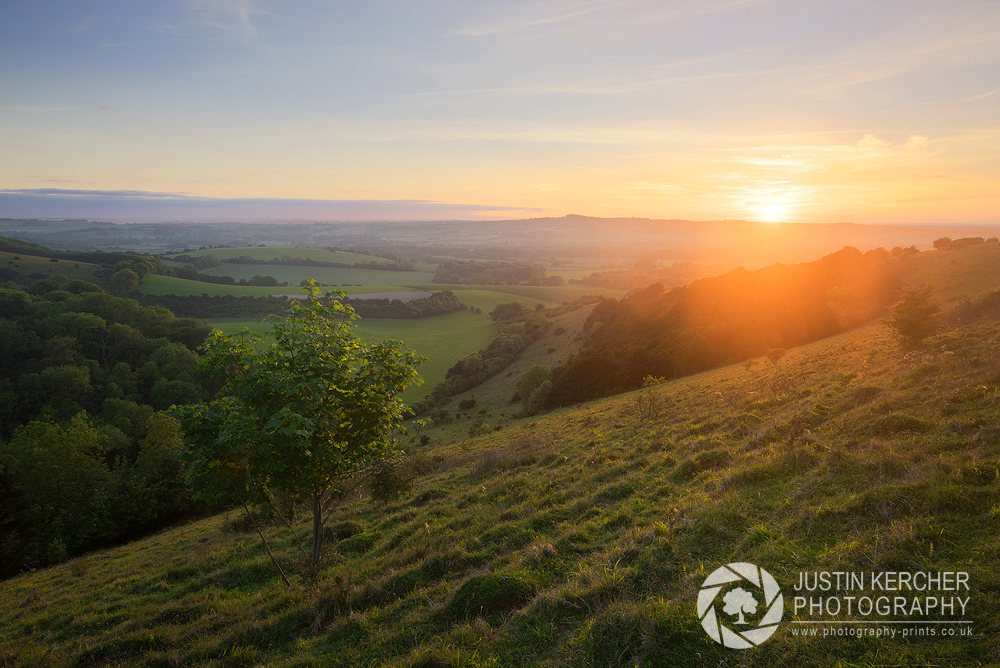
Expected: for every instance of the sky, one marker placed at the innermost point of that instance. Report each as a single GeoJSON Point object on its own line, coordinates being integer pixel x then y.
{"type": "Point", "coordinates": [873, 111]}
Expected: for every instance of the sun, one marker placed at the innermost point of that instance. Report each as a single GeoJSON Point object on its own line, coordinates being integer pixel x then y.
{"type": "Point", "coordinates": [772, 213]}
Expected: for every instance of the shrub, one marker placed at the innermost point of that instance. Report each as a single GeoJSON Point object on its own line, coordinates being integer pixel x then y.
{"type": "Point", "coordinates": [915, 316]}
{"type": "Point", "coordinates": [490, 595]}
{"type": "Point", "coordinates": [480, 427]}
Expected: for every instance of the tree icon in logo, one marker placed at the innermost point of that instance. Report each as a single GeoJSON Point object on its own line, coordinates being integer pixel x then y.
{"type": "Point", "coordinates": [739, 601]}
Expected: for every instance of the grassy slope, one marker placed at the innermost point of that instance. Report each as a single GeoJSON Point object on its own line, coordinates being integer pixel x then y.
{"type": "Point", "coordinates": [493, 397]}
{"type": "Point", "coordinates": [30, 264]}
{"type": "Point", "coordinates": [613, 511]}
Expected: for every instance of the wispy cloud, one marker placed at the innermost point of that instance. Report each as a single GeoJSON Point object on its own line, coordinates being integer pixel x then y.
{"type": "Point", "coordinates": [143, 194]}
{"type": "Point", "coordinates": [233, 18]}
{"type": "Point", "coordinates": [148, 205]}
{"type": "Point", "coordinates": [976, 98]}
{"type": "Point", "coordinates": [538, 14]}
{"type": "Point", "coordinates": [658, 188]}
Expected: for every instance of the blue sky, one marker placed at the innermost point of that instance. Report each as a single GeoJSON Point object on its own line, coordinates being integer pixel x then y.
{"type": "Point", "coordinates": [866, 111]}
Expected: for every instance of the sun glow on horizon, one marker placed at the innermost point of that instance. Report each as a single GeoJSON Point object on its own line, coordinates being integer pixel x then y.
{"type": "Point", "coordinates": [773, 213]}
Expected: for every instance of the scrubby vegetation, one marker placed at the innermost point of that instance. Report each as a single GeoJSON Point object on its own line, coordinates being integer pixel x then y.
{"type": "Point", "coordinates": [231, 306]}
{"type": "Point", "coordinates": [471, 272]}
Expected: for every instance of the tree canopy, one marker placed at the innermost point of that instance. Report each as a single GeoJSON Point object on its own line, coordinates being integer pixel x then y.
{"type": "Point", "coordinates": [303, 415]}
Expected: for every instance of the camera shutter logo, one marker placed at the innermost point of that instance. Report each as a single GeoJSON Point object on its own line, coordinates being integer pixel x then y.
{"type": "Point", "coordinates": [727, 628]}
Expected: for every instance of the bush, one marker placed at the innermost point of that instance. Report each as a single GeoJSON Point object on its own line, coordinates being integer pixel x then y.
{"type": "Point", "coordinates": [915, 316]}
{"type": "Point", "coordinates": [490, 595]}
{"type": "Point", "coordinates": [480, 427]}
{"type": "Point", "coordinates": [388, 484]}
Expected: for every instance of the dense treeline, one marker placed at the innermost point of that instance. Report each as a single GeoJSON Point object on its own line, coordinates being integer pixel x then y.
{"type": "Point", "coordinates": [229, 306]}
{"type": "Point", "coordinates": [728, 318]}
{"type": "Point", "coordinates": [192, 275]}
{"type": "Point", "coordinates": [83, 376]}
{"type": "Point", "coordinates": [947, 243]}
{"type": "Point", "coordinates": [471, 272]}
{"type": "Point", "coordinates": [439, 303]}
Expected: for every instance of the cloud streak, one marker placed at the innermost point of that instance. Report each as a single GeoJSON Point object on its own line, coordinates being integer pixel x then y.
{"type": "Point", "coordinates": [167, 206]}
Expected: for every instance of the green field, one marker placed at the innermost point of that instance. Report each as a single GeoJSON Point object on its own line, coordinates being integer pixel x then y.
{"type": "Point", "coordinates": [487, 297]}
{"type": "Point", "coordinates": [327, 275]}
{"type": "Point", "coordinates": [276, 253]}
{"type": "Point", "coordinates": [955, 274]}
{"type": "Point", "coordinates": [31, 264]}
{"type": "Point", "coordinates": [165, 285]}
{"type": "Point", "coordinates": [443, 340]}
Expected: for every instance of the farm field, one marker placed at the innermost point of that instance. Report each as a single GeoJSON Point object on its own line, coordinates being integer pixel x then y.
{"type": "Point", "coordinates": [276, 253]}
{"type": "Point", "coordinates": [165, 285]}
{"type": "Point", "coordinates": [488, 296]}
{"type": "Point", "coordinates": [327, 275]}
{"type": "Point", "coordinates": [443, 340]}
{"type": "Point", "coordinates": [31, 264]}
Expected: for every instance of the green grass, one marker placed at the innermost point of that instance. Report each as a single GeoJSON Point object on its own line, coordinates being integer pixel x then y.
{"type": "Point", "coordinates": [31, 264]}
{"type": "Point", "coordinates": [330, 276]}
{"type": "Point", "coordinates": [278, 252]}
{"type": "Point", "coordinates": [955, 274]}
{"type": "Point", "coordinates": [164, 285]}
{"type": "Point", "coordinates": [488, 297]}
{"type": "Point", "coordinates": [444, 340]}
{"type": "Point", "coordinates": [581, 537]}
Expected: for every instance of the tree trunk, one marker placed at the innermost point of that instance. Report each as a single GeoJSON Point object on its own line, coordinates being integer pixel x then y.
{"type": "Point", "coordinates": [317, 526]}
{"type": "Point", "coordinates": [264, 540]}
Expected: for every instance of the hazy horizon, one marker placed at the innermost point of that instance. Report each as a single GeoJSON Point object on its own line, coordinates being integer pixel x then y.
{"type": "Point", "coordinates": [729, 109]}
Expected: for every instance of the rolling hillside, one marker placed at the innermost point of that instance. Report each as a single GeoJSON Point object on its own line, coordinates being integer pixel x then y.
{"type": "Point", "coordinates": [582, 537]}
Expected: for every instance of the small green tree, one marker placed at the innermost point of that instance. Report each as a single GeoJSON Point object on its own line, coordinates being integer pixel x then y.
{"type": "Point", "coordinates": [530, 380]}
{"type": "Point", "coordinates": [124, 281]}
{"type": "Point", "coordinates": [915, 316]}
{"type": "Point", "coordinates": [305, 416]}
